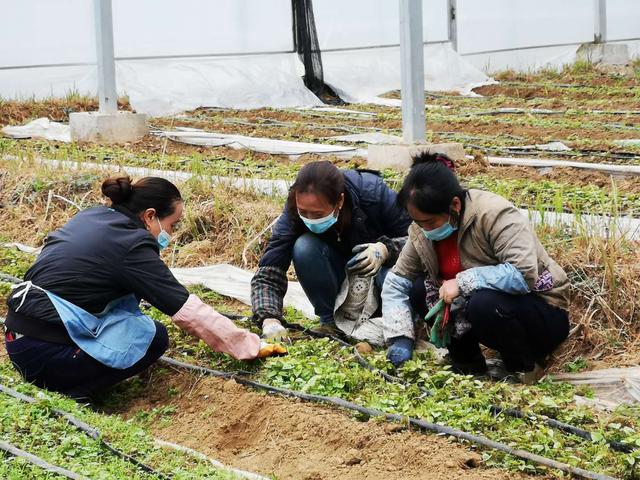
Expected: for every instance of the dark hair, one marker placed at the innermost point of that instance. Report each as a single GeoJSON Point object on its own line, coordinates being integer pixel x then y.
{"type": "Point", "coordinates": [431, 184]}
{"type": "Point", "coordinates": [148, 192]}
{"type": "Point", "coordinates": [322, 178]}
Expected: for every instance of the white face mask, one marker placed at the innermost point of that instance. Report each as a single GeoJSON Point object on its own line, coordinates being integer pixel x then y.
{"type": "Point", "coordinates": [319, 225]}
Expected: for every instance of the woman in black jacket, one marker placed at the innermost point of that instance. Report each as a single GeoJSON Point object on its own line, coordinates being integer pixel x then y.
{"type": "Point", "coordinates": [74, 325]}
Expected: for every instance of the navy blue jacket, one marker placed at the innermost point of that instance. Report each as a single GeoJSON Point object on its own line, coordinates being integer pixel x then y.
{"type": "Point", "coordinates": [101, 254]}
{"type": "Point", "coordinates": [374, 215]}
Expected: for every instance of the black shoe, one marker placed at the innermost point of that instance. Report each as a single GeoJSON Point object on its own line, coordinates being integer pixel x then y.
{"type": "Point", "coordinates": [476, 366]}
{"type": "Point", "coordinates": [498, 372]}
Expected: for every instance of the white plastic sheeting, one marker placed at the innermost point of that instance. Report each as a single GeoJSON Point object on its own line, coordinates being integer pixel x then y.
{"type": "Point", "coordinates": [544, 147]}
{"type": "Point", "coordinates": [179, 62]}
{"type": "Point", "coordinates": [193, 136]}
{"type": "Point", "coordinates": [614, 386]}
{"type": "Point", "coordinates": [23, 248]}
{"type": "Point", "coordinates": [169, 86]}
{"type": "Point", "coordinates": [44, 82]}
{"type": "Point", "coordinates": [40, 128]}
{"type": "Point", "coordinates": [633, 142]}
{"type": "Point", "coordinates": [551, 163]}
{"type": "Point", "coordinates": [359, 76]}
{"type": "Point", "coordinates": [235, 282]}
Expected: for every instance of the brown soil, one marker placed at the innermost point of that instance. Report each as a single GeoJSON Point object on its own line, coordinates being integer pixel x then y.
{"type": "Point", "coordinates": [571, 176]}
{"type": "Point", "coordinates": [543, 91]}
{"type": "Point", "coordinates": [294, 440]}
{"type": "Point", "coordinates": [594, 77]}
{"type": "Point", "coordinates": [529, 133]}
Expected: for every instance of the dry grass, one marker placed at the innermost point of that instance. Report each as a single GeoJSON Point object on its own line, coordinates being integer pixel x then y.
{"type": "Point", "coordinates": [16, 112]}
{"type": "Point", "coordinates": [605, 292]}
{"type": "Point", "coordinates": [217, 224]}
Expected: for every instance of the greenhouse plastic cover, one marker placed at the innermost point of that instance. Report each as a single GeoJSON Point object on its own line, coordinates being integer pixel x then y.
{"type": "Point", "coordinates": [163, 87]}
{"type": "Point", "coordinates": [359, 76]}
{"type": "Point", "coordinates": [169, 86]}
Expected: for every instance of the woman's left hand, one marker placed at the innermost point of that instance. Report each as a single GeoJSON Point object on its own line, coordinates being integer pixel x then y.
{"type": "Point", "coordinates": [449, 290]}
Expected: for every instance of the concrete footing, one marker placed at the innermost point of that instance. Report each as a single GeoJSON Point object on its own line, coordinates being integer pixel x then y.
{"type": "Point", "coordinates": [119, 127]}
{"type": "Point", "coordinates": [400, 157]}
{"type": "Point", "coordinates": [603, 53]}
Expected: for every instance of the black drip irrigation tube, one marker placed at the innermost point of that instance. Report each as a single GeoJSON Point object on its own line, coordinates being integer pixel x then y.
{"type": "Point", "coordinates": [39, 462]}
{"type": "Point", "coordinates": [564, 427]}
{"type": "Point", "coordinates": [515, 413]}
{"type": "Point", "coordinates": [395, 418]}
{"type": "Point", "coordinates": [496, 410]}
{"type": "Point", "coordinates": [4, 277]}
{"type": "Point", "coordinates": [87, 429]}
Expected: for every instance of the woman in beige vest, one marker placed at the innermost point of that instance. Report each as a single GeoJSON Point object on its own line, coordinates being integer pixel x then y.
{"type": "Point", "coordinates": [481, 257]}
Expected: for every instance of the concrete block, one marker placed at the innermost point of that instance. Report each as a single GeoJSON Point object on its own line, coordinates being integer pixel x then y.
{"type": "Point", "coordinates": [603, 53]}
{"type": "Point", "coordinates": [119, 127]}
{"type": "Point", "coordinates": [400, 157]}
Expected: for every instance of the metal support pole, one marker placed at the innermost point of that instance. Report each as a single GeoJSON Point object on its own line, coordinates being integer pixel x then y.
{"type": "Point", "coordinates": [107, 95]}
{"type": "Point", "coordinates": [412, 70]}
{"type": "Point", "coordinates": [600, 16]}
{"type": "Point", "coordinates": [452, 8]}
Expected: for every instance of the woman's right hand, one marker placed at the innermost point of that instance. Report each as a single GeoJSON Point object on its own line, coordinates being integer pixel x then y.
{"type": "Point", "coordinates": [449, 290]}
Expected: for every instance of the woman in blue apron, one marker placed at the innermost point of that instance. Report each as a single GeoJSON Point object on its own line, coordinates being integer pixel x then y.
{"type": "Point", "coordinates": [74, 325]}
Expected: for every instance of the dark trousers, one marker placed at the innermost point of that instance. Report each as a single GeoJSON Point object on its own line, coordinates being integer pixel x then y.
{"type": "Point", "coordinates": [321, 270]}
{"type": "Point", "coordinates": [523, 328]}
{"type": "Point", "coordinates": [69, 370]}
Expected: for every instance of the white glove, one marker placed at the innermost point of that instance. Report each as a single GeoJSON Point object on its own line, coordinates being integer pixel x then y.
{"type": "Point", "coordinates": [272, 329]}
{"type": "Point", "coordinates": [368, 259]}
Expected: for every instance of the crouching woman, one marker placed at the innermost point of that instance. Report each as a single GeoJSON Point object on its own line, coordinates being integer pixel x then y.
{"type": "Point", "coordinates": [74, 325]}
{"type": "Point", "coordinates": [478, 252]}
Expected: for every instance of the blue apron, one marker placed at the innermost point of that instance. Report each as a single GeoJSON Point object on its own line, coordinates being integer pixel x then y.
{"type": "Point", "coordinates": [118, 337]}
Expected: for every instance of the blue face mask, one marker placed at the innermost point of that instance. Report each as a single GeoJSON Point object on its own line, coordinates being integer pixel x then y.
{"type": "Point", "coordinates": [443, 231]}
{"type": "Point", "coordinates": [163, 238]}
{"type": "Point", "coordinates": [319, 225]}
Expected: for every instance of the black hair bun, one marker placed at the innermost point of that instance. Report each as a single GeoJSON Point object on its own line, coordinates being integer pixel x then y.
{"type": "Point", "coordinates": [117, 189]}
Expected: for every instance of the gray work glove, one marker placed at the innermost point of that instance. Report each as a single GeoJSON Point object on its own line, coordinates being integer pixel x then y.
{"type": "Point", "coordinates": [368, 259]}
{"type": "Point", "coordinates": [272, 329]}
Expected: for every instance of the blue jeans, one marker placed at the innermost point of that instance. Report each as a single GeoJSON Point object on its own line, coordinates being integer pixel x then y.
{"type": "Point", "coordinates": [321, 271]}
{"type": "Point", "coordinates": [69, 370]}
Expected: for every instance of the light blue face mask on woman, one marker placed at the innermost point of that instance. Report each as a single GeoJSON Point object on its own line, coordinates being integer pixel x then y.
{"type": "Point", "coordinates": [443, 231]}
{"type": "Point", "coordinates": [319, 225]}
{"type": "Point", "coordinates": [163, 238]}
